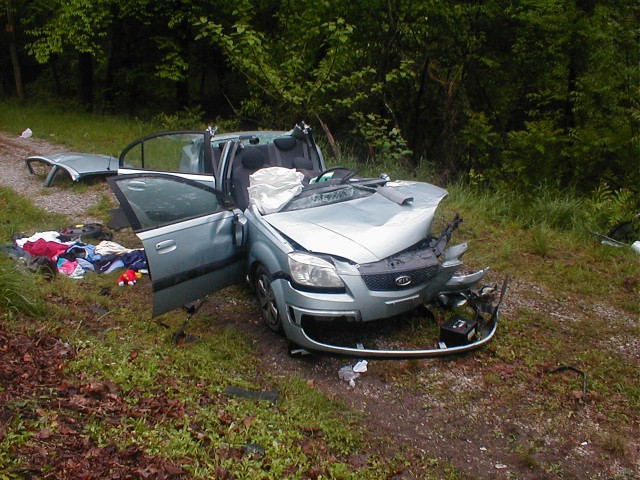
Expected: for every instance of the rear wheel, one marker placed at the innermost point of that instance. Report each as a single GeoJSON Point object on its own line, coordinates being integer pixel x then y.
{"type": "Point", "coordinates": [267, 299]}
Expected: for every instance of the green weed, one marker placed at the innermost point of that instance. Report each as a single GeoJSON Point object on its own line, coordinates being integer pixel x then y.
{"type": "Point", "coordinates": [19, 291]}
{"type": "Point", "coordinates": [91, 133]}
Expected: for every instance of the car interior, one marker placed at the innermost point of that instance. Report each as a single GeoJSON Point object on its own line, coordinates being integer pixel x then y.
{"type": "Point", "coordinates": [286, 152]}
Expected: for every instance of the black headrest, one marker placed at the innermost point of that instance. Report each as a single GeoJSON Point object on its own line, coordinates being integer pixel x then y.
{"type": "Point", "coordinates": [285, 143]}
{"type": "Point", "coordinates": [252, 158]}
{"type": "Point", "coordinates": [301, 163]}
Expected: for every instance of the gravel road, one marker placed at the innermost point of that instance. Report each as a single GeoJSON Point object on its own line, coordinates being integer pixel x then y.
{"type": "Point", "coordinates": [72, 202]}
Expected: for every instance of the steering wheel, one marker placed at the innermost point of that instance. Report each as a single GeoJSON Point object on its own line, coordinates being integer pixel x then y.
{"type": "Point", "coordinates": [350, 174]}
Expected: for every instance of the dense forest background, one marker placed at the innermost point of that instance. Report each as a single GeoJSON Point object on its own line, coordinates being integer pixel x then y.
{"type": "Point", "coordinates": [511, 92]}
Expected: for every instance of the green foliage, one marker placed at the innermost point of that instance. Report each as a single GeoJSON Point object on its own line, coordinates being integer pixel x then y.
{"type": "Point", "coordinates": [529, 153]}
{"type": "Point", "coordinates": [384, 139]}
{"type": "Point", "coordinates": [483, 142]}
{"type": "Point", "coordinates": [292, 71]}
{"type": "Point", "coordinates": [80, 24]}
{"type": "Point", "coordinates": [185, 119]}
{"type": "Point", "coordinates": [521, 92]}
{"type": "Point", "coordinates": [19, 291]}
{"type": "Point", "coordinates": [610, 207]}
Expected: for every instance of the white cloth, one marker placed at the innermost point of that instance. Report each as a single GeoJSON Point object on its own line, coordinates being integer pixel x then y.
{"type": "Point", "coordinates": [107, 247]}
{"type": "Point", "coordinates": [51, 236]}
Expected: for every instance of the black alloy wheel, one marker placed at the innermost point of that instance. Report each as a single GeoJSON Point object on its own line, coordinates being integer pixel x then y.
{"type": "Point", "coordinates": [267, 299]}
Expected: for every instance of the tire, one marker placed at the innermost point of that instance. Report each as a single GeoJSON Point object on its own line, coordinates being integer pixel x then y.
{"type": "Point", "coordinates": [267, 299]}
{"type": "Point", "coordinates": [626, 232]}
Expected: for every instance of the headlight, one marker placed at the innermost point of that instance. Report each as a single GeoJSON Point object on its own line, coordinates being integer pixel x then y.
{"type": "Point", "coordinates": [311, 271]}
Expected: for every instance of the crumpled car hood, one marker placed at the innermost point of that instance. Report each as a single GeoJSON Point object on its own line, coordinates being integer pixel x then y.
{"type": "Point", "coordinates": [366, 229]}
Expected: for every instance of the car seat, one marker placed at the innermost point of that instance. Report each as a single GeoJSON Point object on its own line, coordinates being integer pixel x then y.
{"type": "Point", "coordinates": [305, 166]}
{"type": "Point", "coordinates": [247, 161]}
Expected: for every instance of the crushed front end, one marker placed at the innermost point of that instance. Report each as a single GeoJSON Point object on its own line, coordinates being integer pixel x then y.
{"type": "Point", "coordinates": [400, 283]}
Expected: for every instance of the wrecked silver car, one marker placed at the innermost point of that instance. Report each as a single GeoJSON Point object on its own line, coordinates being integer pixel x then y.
{"type": "Point", "coordinates": [317, 245]}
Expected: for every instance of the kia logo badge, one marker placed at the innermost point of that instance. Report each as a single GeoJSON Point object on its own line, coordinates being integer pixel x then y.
{"type": "Point", "coordinates": [403, 281]}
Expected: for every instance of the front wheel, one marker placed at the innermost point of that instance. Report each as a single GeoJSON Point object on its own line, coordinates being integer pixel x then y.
{"type": "Point", "coordinates": [267, 299]}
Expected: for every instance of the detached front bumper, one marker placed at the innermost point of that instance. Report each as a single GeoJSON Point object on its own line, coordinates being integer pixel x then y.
{"type": "Point", "coordinates": [486, 315]}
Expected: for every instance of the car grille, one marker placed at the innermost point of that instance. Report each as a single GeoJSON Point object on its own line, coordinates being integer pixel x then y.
{"type": "Point", "coordinates": [400, 272]}
{"type": "Point", "coordinates": [387, 281]}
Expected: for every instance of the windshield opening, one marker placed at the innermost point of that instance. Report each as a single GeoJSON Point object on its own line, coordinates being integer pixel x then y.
{"type": "Point", "coordinates": [316, 197]}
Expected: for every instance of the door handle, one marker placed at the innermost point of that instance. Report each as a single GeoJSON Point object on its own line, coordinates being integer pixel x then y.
{"type": "Point", "coordinates": [166, 246]}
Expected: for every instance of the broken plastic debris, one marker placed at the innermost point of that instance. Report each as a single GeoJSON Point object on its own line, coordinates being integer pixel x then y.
{"type": "Point", "coordinates": [296, 350]}
{"type": "Point", "coordinates": [635, 246]}
{"type": "Point", "coordinates": [360, 367]}
{"type": "Point", "coordinates": [253, 449]}
{"type": "Point", "coordinates": [501, 466]}
{"type": "Point", "coordinates": [27, 133]}
{"type": "Point", "coordinates": [347, 374]}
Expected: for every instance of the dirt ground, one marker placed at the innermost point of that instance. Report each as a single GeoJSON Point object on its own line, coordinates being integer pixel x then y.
{"type": "Point", "coordinates": [489, 437]}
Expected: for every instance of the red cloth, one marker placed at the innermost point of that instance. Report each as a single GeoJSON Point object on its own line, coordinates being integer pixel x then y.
{"type": "Point", "coordinates": [46, 249]}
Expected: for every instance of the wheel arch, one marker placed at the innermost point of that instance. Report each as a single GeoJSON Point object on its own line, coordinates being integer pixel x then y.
{"type": "Point", "coordinates": [262, 254]}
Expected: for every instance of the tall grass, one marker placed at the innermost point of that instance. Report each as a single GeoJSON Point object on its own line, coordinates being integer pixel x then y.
{"type": "Point", "coordinates": [20, 215]}
{"type": "Point", "coordinates": [545, 207]}
{"type": "Point", "coordinates": [81, 131]}
{"type": "Point", "coordinates": [19, 293]}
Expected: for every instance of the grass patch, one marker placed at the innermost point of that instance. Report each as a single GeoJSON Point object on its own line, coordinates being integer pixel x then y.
{"type": "Point", "coordinates": [126, 388]}
{"type": "Point", "coordinates": [81, 131]}
{"type": "Point", "coordinates": [554, 246]}
{"type": "Point", "coordinates": [19, 292]}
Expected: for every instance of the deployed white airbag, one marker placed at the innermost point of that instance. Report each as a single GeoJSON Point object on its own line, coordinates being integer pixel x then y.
{"type": "Point", "coordinates": [271, 188]}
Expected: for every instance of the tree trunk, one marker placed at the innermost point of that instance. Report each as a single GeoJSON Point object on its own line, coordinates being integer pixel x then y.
{"type": "Point", "coordinates": [13, 51]}
{"type": "Point", "coordinates": [578, 64]}
{"type": "Point", "coordinates": [116, 36]}
{"type": "Point", "coordinates": [85, 72]}
{"type": "Point", "coordinates": [335, 148]}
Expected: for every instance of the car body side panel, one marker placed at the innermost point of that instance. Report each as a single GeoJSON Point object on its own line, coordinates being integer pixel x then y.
{"type": "Point", "coordinates": [77, 165]}
{"type": "Point", "coordinates": [192, 259]}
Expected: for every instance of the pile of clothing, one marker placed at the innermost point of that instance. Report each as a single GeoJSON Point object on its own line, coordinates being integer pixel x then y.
{"type": "Point", "coordinates": [74, 257]}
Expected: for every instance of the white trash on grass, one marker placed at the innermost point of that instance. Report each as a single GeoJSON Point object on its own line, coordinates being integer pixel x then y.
{"type": "Point", "coordinates": [349, 373]}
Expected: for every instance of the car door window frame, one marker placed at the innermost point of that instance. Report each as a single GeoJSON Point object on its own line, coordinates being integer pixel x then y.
{"type": "Point", "coordinates": [208, 163]}
{"type": "Point", "coordinates": [224, 201]}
